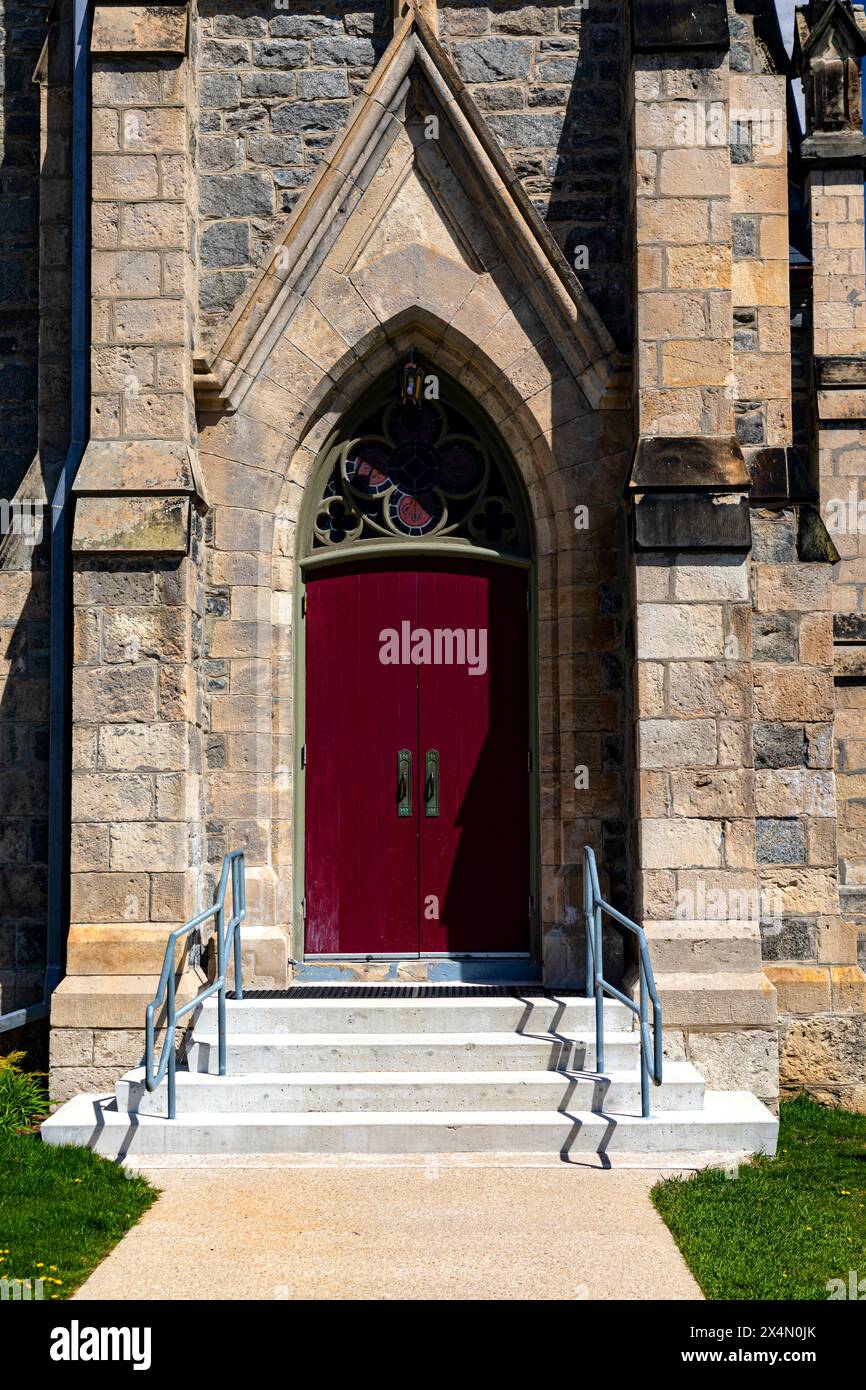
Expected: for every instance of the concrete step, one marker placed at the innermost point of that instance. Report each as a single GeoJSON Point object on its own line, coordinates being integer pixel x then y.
{"type": "Point", "coordinates": [677, 947]}
{"type": "Point", "coordinates": [730, 1122]}
{"type": "Point", "coordinates": [401, 1015]}
{"type": "Point", "coordinates": [335, 1092]}
{"type": "Point", "coordinates": [247, 1053]}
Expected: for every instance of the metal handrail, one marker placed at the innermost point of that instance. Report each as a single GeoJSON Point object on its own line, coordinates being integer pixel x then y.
{"type": "Point", "coordinates": [594, 907]}
{"type": "Point", "coordinates": [226, 937]}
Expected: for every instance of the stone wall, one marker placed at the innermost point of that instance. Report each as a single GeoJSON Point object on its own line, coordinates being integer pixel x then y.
{"type": "Point", "coordinates": [276, 88]}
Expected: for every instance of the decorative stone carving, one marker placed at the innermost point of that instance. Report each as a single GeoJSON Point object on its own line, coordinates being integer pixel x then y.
{"type": "Point", "coordinates": [829, 43]}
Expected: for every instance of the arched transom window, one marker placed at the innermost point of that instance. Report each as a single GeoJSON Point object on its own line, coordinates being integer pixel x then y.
{"type": "Point", "coordinates": [406, 469]}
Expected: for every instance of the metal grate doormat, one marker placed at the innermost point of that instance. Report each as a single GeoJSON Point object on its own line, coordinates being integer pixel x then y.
{"type": "Point", "coordinates": [362, 991]}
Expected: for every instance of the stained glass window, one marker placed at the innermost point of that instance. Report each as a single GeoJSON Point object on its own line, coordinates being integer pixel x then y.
{"type": "Point", "coordinates": [409, 471]}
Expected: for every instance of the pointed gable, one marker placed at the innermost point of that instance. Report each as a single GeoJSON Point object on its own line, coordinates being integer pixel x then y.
{"type": "Point", "coordinates": [414, 207]}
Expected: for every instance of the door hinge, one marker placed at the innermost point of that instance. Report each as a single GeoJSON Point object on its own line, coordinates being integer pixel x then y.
{"type": "Point", "coordinates": [303, 605]}
{"type": "Point", "coordinates": [531, 905]}
{"type": "Point", "coordinates": [304, 908]}
{"type": "Point", "coordinates": [528, 599]}
{"type": "Point", "coordinates": [303, 755]}
{"type": "Point", "coordinates": [529, 760]}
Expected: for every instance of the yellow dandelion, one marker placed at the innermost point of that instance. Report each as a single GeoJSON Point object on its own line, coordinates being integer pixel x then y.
{"type": "Point", "coordinates": [843, 1192]}
{"type": "Point", "coordinates": [39, 1264]}
{"type": "Point", "coordinates": [54, 1267]}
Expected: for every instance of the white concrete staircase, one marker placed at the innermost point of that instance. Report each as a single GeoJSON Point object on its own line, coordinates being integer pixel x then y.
{"type": "Point", "coordinates": [401, 1075]}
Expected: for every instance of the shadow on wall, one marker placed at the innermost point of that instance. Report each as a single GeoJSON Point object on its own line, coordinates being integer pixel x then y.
{"type": "Point", "coordinates": [562, 120]}
{"type": "Point", "coordinates": [34, 391]}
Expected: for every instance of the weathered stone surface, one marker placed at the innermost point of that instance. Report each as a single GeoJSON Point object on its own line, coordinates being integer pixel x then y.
{"type": "Point", "coordinates": [788, 939]}
{"type": "Point", "coordinates": [780, 841]}
{"type": "Point", "coordinates": [140, 525]}
{"type": "Point", "coordinates": [152, 846]}
{"type": "Point", "coordinates": [722, 794]}
{"type": "Point", "coordinates": [680, 843]}
{"type": "Point", "coordinates": [743, 1059]}
{"type": "Point", "coordinates": [679, 630]}
{"type": "Point", "coordinates": [668, 743]}
{"type": "Point", "coordinates": [779, 745]}
{"type": "Point", "coordinates": [138, 29]}
{"type": "Point", "coordinates": [115, 696]}
{"type": "Point", "coordinates": [822, 1049]}
{"type": "Point", "coordinates": [791, 692]}
{"type": "Point", "coordinates": [110, 897]}
{"type": "Point", "coordinates": [489, 60]}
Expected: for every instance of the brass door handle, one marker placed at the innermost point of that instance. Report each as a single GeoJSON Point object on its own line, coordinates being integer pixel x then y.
{"type": "Point", "coordinates": [431, 782]}
{"type": "Point", "coordinates": [404, 782]}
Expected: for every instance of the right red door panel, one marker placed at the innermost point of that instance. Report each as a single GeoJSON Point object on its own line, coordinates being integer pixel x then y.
{"type": "Point", "coordinates": [474, 862]}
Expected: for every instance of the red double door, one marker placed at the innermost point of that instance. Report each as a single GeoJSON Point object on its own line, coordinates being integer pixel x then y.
{"type": "Point", "coordinates": [416, 760]}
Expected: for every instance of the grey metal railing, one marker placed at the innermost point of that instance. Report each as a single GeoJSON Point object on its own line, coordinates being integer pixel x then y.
{"type": "Point", "coordinates": [595, 908]}
{"type": "Point", "coordinates": [228, 936]}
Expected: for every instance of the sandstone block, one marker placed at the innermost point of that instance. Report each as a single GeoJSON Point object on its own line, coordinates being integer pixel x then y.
{"type": "Point", "coordinates": [801, 989]}
{"type": "Point", "coordinates": [802, 891]}
{"type": "Point", "coordinates": [745, 1059]}
{"type": "Point", "coordinates": [138, 29]}
{"type": "Point", "coordinates": [793, 693]}
{"type": "Point", "coordinates": [712, 687]}
{"type": "Point", "coordinates": [714, 793]}
{"type": "Point", "coordinates": [152, 846]}
{"type": "Point", "coordinates": [110, 796]}
{"type": "Point", "coordinates": [668, 630]}
{"type": "Point", "coordinates": [718, 578]}
{"type": "Point", "coordinates": [144, 747]}
{"type": "Point", "coordinates": [111, 897]}
{"type": "Point", "coordinates": [669, 844]}
{"type": "Point", "coordinates": [848, 985]}
{"type": "Point", "coordinates": [669, 743]}
{"type": "Point", "coordinates": [115, 696]}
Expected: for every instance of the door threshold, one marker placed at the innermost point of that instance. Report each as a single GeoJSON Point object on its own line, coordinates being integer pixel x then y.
{"type": "Point", "coordinates": [438, 969]}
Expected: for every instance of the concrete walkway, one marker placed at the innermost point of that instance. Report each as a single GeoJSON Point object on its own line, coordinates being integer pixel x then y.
{"type": "Point", "coordinates": [381, 1228]}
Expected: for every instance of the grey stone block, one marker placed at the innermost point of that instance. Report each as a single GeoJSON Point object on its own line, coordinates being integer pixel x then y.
{"type": "Point", "coordinates": [527, 131]}
{"type": "Point", "coordinates": [218, 153]}
{"type": "Point", "coordinates": [780, 841]}
{"type": "Point", "coordinates": [221, 290]}
{"type": "Point", "coordinates": [214, 54]}
{"type": "Point", "coordinates": [316, 85]}
{"type": "Point", "coordinates": [351, 52]}
{"type": "Point", "coordinates": [779, 745]}
{"type": "Point", "coordinates": [262, 85]}
{"type": "Point", "coordinates": [788, 938]}
{"type": "Point", "coordinates": [490, 60]}
{"type": "Point", "coordinates": [303, 26]}
{"type": "Point", "coordinates": [774, 538]}
{"type": "Point", "coordinates": [218, 89]}
{"type": "Point", "coordinates": [292, 178]}
{"type": "Point", "coordinates": [225, 244]}
{"type": "Point", "coordinates": [774, 637]}
{"type": "Point", "coordinates": [557, 69]}
{"type": "Point", "coordinates": [275, 149]}
{"type": "Point", "coordinates": [279, 53]}
{"type": "Point", "coordinates": [302, 116]}
{"type": "Point", "coordinates": [235, 195]}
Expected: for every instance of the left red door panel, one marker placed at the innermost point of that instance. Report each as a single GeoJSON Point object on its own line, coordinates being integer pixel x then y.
{"type": "Point", "coordinates": [361, 873]}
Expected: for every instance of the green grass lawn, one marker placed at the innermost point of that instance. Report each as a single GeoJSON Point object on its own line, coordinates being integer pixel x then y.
{"type": "Point", "coordinates": [61, 1210]}
{"type": "Point", "coordinates": [785, 1225]}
